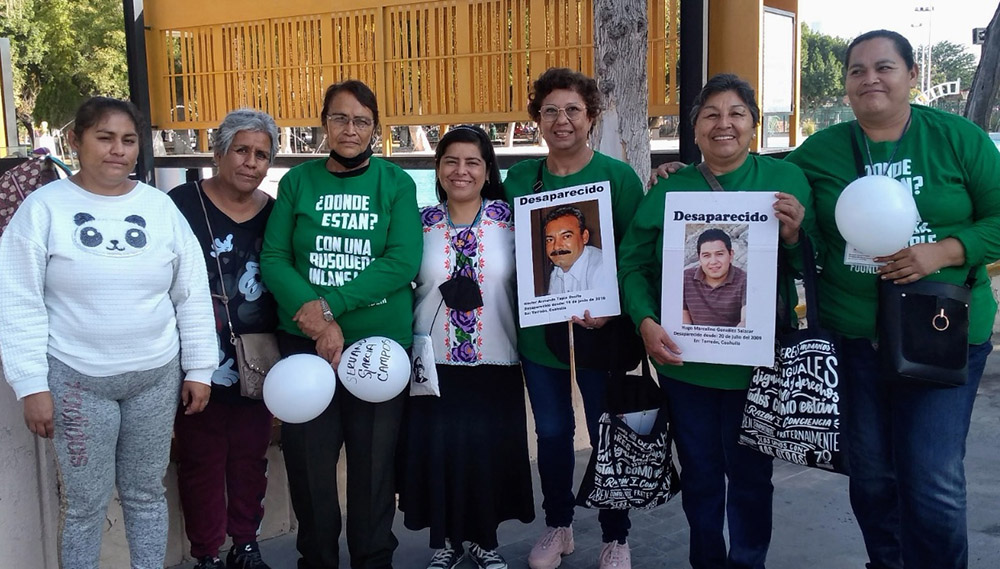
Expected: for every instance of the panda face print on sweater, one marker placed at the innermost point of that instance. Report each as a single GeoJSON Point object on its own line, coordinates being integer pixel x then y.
{"type": "Point", "coordinates": [110, 237]}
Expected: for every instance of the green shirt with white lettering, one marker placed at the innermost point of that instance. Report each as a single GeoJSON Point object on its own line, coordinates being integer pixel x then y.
{"type": "Point", "coordinates": [353, 239]}
{"type": "Point", "coordinates": [953, 171]}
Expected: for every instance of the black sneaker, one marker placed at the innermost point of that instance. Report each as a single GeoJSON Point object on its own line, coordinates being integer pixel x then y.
{"type": "Point", "coordinates": [245, 556]}
{"type": "Point", "coordinates": [447, 557]}
{"type": "Point", "coordinates": [209, 562]}
{"type": "Point", "coordinates": [486, 558]}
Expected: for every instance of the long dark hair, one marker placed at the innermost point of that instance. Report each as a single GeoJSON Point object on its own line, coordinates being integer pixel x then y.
{"type": "Point", "coordinates": [492, 189]}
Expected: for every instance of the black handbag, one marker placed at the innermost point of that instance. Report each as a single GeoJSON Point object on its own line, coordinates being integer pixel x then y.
{"type": "Point", "coordinates": [923, 327]}
{"type": "Point", "coordinates": [612, 347]}
{"type": "Point", "coordinates": [628, 469]}
{"type": "Point", "coordinates": [923, 331]}
{"type": "Point", "coordinates": [792, 410]}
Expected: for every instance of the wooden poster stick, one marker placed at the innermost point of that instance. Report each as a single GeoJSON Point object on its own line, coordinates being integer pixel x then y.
{"type": "Point", "coordinates": [572, 354]}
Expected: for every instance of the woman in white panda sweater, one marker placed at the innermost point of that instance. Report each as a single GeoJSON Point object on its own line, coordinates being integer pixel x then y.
{"type": "Point", "coordinates": [104, 310]}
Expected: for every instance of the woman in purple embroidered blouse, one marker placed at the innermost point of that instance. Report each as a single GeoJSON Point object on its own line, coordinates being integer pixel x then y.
{"type": "Point", "coordinates": [465, 461]}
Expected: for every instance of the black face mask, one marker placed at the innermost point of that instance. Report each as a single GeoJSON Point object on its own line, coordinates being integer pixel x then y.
{"type": "Point", "coordinates": [461, 293]}
{"type": "Point", "coordinates": [352, 163]}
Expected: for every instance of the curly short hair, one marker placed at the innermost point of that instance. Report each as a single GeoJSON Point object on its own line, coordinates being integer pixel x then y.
{"type": "Point", "coordinates": [563, 78]}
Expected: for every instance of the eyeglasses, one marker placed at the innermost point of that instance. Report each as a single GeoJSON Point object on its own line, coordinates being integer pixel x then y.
{"type": "Point", "coordinates": [341, 120]}
{"type": "Point", "coordinates": [550, 113]}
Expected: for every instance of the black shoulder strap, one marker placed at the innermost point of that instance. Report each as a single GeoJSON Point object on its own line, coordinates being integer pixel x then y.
{"type": "Point", "coordinates": [859, 162]}
{"type": "Point", "coordinates": [539, 186]}
{"type": "Point", "coordinates": [709, 177]}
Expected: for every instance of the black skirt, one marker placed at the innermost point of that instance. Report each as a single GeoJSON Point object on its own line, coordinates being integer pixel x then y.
{"type": "Point", "coordinates": [464, 458]}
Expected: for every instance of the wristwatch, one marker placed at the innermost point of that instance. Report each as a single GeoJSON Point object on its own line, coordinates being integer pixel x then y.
{"type": "Point", "coordinates": [327, 313]}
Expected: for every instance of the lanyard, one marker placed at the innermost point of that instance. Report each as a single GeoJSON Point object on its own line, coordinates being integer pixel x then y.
{"type": "Point", "coordinates": [475, 222]}
{"type": "Point", "coordinates": [895, 148]}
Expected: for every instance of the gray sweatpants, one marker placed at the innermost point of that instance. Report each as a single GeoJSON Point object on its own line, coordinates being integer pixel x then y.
{"type": "Point", "coordinates": [108, 430]}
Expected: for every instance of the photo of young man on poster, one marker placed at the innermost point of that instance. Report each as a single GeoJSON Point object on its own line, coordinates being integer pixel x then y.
{"type": "Point", "coordinates": [715, 290]}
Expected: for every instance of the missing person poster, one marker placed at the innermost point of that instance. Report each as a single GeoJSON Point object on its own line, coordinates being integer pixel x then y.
{"type": "Point", "coordinates": [565, 247]}
{"type": "Point", "coordinates": [720, 266]}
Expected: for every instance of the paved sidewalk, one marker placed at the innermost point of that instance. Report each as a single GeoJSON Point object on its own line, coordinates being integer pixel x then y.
{"type": "Point", "coordinates": [813, 524]}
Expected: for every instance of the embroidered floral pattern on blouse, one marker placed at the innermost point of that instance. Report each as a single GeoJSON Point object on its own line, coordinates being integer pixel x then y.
{"type": "Point", "coordinates": [498, 211]}
{"type": "Point", "coordinates": [462, 329]}
{"type": "Point", "coordinates": [432, 215]}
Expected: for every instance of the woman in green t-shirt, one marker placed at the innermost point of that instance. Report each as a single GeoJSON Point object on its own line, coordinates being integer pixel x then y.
{"type": "Point", "coordinates": [721, 479]}
{"type": "Point", "coordinates": [906, 443]}
{"type": "Point", "coordinates": [341, 247]}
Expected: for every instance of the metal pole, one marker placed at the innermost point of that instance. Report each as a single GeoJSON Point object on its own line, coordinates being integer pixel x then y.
{"type": "Point", "coordinates": [138, 84]}
{"type": "Point", "coordinates": [694, 22]}
{"type": "Point", "coordinates": [926, 83]}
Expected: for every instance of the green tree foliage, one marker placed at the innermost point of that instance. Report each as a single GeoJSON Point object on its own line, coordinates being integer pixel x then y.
{"type": "Point", "coordinates": [63, 51]}
{"type": "Point", "coordinates": [950, 62]}
{"type": "Point", "coordinates": [822, 79]}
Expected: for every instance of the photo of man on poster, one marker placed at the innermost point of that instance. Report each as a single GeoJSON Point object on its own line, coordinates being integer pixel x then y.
{"type": "Point", "coordinates": [576, 264]}
{"type": "Point", "coordinates": [715, 290]}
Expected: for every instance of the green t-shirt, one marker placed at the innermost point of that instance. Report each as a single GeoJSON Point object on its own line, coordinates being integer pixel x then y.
{"type": "Point", "coordinates": [640, 261]}
{"type": "Point", "coordinates": [952, 169]}
{"type": "Point", "coordinates": [354, 240]}
{"type": "Point", "coordinates": [626, 193]}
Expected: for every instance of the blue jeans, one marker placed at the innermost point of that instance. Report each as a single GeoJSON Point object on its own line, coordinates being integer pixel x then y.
{"type": "Point", "coordinates": [705, 424]}
{"type": "Point", "coordinates": [906, 447]}
{"type": "Point", "coordinates": [549, 391]}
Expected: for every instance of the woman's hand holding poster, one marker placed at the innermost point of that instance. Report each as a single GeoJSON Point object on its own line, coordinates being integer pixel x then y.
{"type": "Point", "coordinates": [566, 261]}
{"type": "Point", "coordinates": [719, 276]}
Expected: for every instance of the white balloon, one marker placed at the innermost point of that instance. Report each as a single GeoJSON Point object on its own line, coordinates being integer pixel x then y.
{"type": "Point", "coordinates": [374, 369]}
{"type": "Point", "coordinates": [877, 215]}
{"type": "Point", "coordinates": [299, 388]}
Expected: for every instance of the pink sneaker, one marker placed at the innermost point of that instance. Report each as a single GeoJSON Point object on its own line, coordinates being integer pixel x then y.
{"type": "Point", "coordinates": [550, 548]}
{"type": "Point", "coordinates": [615, 555]}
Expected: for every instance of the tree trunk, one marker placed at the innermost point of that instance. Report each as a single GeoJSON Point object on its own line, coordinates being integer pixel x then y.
{"type": "Point", "coordinates": [620, 46]}
{"type": "Point", "coordinates": [985, 84]}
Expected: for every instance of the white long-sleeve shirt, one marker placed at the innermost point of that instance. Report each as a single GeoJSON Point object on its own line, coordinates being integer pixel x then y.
{"type": "Point", "coordinates": [585, 274]}
{"type": "Point", "coordinates": [105, 284]}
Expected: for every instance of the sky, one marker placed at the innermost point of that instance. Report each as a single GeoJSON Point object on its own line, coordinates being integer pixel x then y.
{"type": "Point", "coordinates": [951, 20]}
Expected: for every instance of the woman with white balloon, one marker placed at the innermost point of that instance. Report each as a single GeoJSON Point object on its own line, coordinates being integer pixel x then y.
{"type": "Point", "coordinates": [906, 443]}
{"type": "Point", "coordinates": [340, 250]}
{"type": "Point", "coordinates": [465, 465]}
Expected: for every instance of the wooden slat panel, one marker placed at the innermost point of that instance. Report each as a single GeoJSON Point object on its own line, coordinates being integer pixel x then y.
{"type": "Point", "coordinates": [429, 62]}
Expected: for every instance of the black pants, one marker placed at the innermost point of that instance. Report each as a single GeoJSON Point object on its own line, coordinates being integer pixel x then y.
{"type": "Point", "coordinates": [370, 432]}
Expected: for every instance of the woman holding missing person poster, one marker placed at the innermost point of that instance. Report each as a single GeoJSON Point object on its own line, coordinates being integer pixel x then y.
{"type": "Point", "coordinates": [906, 443]}
{"type": "Point", "coordinates": [706, 400]}
{"type": "Point", "coordinates": [565, 105]}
